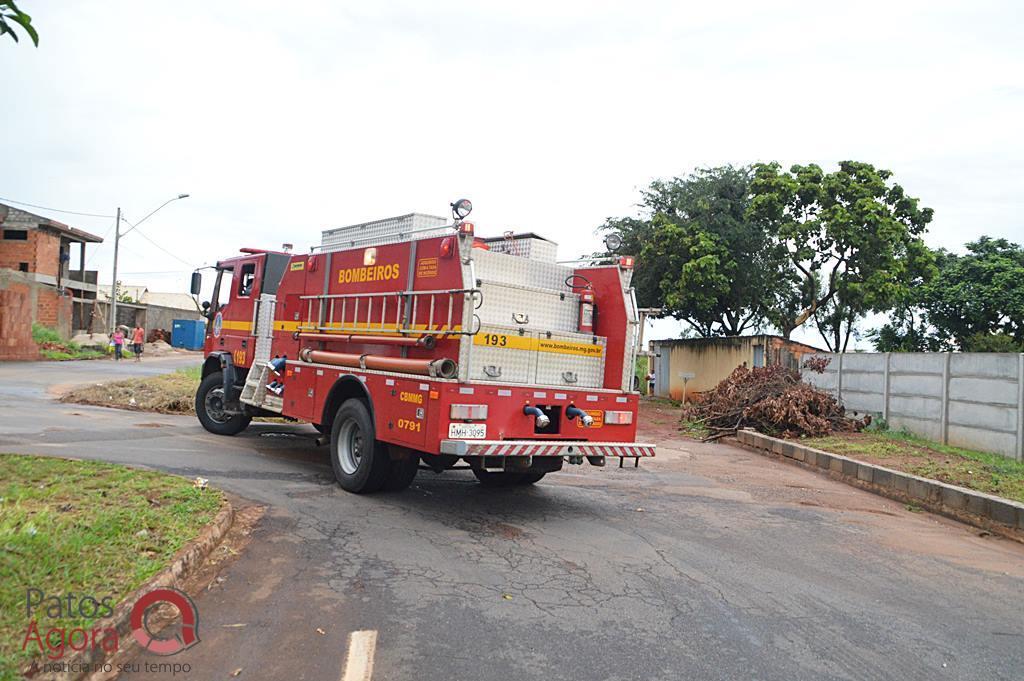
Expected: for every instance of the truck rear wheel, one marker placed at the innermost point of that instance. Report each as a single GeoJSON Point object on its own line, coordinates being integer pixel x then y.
{"type": "Point", "coordinates": [361, 463]}
{"type": "Point", "coordinates": [210, 408]}
{"type": "Point", "coordinates": [402, 471]}
{"type": "Point", "coordinates": [497, 478]}
{"type": "Point", "coordinates": [531, 477]}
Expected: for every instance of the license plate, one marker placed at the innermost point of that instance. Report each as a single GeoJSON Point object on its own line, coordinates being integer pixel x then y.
{"type": "Point", "coordinates": [467, 431]}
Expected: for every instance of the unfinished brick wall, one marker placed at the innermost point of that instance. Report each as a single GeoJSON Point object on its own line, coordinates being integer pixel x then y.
{"type": "Point", "coordinates": [41, 251]}
{"type": "Point", "coordinates": [16, 314]}
{"type": "Point", "coordinates": [54, 311]}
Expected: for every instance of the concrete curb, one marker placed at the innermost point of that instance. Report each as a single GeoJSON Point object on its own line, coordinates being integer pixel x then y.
{"type": "Point", "coordinates": [989, 512]}
{"type": "Point", "coordinates": [187, 560]}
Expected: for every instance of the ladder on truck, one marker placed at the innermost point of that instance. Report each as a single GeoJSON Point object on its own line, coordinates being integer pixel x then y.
{"type": "Point", "coordinates": [373, 312]}
{"type": "Point", "coordinates": [255, 392]}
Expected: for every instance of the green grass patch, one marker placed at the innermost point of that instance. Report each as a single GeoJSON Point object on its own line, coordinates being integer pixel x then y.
{"type": "Point", "coordinates": [642, 363]}
{"type": "Point", "coordinates": [172, 393]}
{"type": "Point", "coordinates": [903, 451]}
{"type": "Point", "coordinates": [85, 528]}
{"type": "Point", "coordinates": [697, 431]}
{"type": "Point", "coordinates": [42, 334]}
{"type": "Point", "coordinates": [52, 347]}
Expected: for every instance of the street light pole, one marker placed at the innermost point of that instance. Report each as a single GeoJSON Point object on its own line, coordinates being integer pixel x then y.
{"type": "Point", "coordinates": [113, 285]}
{"type": "Point", "coordinates": [117, 240]}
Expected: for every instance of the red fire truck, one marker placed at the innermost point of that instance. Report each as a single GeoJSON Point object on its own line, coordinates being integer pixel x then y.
{"type": "Point", "coordinates": [412, 342]}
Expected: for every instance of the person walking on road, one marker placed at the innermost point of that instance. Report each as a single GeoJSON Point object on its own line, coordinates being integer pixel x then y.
{"type": "Point", "coordinates": [138, 342]}
{"type": "Point", "coordinates": [117, 338]}
{"type": "Point", "coordinates": [652, 380]}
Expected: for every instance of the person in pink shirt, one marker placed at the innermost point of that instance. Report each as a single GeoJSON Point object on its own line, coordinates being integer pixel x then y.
{"type": "Point", "coordinates": [117, 338]}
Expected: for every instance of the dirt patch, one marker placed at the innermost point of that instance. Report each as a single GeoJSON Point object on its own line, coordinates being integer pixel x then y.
{"type": "Point", "coordinates": [172, 393]}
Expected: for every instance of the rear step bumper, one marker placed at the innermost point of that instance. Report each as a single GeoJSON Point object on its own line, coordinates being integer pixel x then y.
{"type": "Point", "coordinates": [626, 450]}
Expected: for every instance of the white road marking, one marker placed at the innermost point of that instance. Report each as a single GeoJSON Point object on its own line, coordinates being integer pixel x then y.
{"type": "Point", "coordinates": [361, 646]}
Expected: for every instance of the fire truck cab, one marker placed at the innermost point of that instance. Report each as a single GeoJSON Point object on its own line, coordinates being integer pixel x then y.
{"type": "Point", "coordinates": [411, 342]}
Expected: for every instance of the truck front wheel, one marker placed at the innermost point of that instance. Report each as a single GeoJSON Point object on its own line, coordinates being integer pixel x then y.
{"type": "Point", "coordinates": [210, 408]}
{"type": "Point", "coordinates": [360, 463]}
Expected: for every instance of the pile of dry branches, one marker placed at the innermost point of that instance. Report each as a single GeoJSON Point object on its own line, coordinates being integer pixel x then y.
{"type": "Point", "coordinates": [772, 400]}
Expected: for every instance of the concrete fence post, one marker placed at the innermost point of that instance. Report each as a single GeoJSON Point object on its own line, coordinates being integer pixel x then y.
{"type": "Point", "coordinates": [945, 399]}
{"type": "Point", "coordinates": [839, 378]}
{"type": "Point", "coordinates": [1020, 407]}
{"type": "Point", "coordinates": [885, 389]}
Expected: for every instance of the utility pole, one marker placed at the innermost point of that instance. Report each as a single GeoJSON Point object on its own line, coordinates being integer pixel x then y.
{"type": "Point", "coordinates": [113, 285]}
{"type": "Point", "coordinates": [117, 239]}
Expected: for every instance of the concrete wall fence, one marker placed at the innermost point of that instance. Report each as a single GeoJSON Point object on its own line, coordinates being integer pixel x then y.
{"type": "Point", "coordinates": [973, 400]}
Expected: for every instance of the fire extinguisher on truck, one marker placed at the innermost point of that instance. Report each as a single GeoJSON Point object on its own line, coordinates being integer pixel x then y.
{"type": "Point", "coordinates": [410, 343]}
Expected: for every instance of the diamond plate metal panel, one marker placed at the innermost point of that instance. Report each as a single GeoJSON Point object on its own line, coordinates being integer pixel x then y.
{"type": "Point", "coordinates": [573, 370]}
{"type": "Point", "coordinates": [386, 231]}
{"type": "Point", "coordinates": [545, 310]}
{"type": "Point", "coordinates": [509, 269]}
{"type": "Point", "coordinates": [500, 353]}
{"type": "Point", "coordinates": [525, 247]}
{"type": "Point", "coordinates": [632, 332]}
{"type": "Point", "coordinates": [264, 330]}
{"type": "Point", "coordinates": [503, 365]}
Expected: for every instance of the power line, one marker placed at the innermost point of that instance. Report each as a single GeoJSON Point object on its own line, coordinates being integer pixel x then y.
{"type": "Point", "coordinates": [143, 234]}
{"type": "Point", "coordinates": [55, 210]}
{"type": "Point", "coordinates": [99, 245]}
{"type": "Point", "coordinates": [163, 272]}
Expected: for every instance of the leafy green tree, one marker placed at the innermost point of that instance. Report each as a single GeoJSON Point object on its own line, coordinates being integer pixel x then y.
{"type": "Point", "coordinates": [906, 331]}
{"type": "Point", "coordinates": [635, 232]}
{"type": "Point", "coordinates": [852, 238]}
{"type": "Point", "coordinates": [978, 296]}
{"type": "Point", "coordinates": [993, 342]}
{"type": "Point", "coordinates": [699, 257]}
{"type": "Point", "coordinates": [10, 15]}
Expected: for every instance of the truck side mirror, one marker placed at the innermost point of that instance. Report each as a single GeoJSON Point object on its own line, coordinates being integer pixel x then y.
{"type": "Point", "coordinates": [197, 283]}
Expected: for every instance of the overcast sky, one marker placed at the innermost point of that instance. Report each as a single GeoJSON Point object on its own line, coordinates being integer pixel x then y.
{"type": "Point", "coordinates": [282, 119]}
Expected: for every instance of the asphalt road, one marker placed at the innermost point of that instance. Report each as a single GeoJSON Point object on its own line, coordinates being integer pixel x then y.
{"type": "Point", "coordinates": [709, 562]}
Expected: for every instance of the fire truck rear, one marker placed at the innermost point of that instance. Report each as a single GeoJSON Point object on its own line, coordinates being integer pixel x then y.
{"type": "Point", "coordinates": [412, 342]}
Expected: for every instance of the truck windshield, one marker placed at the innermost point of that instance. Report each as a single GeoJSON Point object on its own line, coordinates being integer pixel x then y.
{"type": "Point", "coordinates": [223, 283]}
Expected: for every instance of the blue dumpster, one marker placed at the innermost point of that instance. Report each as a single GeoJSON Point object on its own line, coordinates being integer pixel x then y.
{"type": "Point", "coordinates": [188, 333]}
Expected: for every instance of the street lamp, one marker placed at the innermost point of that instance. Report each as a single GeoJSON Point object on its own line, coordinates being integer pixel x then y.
{"type": "Point", "coordinates": [117, 240]}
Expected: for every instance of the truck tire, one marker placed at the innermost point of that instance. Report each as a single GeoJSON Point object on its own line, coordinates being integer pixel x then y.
{"type": "Point", "coordinates": [531, 477]}
{"type": "Point", "coordinates": [496, 479]}
{"type": "Point", "coordinates": [402, 472]}
{"type": "Point", "coordinates": [361, 463]}
{"type": "Point", "coordinates": [210, 408]}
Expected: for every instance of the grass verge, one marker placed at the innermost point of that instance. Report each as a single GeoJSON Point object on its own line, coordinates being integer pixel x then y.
{"type": "Point", "coordinates": [172, 393]}
{"type": "Point", "coordinates": [85, 528]}
{"type": "Point", "coordinates": [52, 347]}
{"type": "Point", "coordinates": [903, 451]}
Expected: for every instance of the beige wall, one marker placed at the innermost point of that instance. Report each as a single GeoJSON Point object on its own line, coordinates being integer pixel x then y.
{"type": "Point", "coordinates": [711, 360]}
{"type": "Point", "coordinates": [709, 363]}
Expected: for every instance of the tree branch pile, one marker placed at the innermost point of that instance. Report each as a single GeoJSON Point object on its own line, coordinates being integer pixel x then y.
{"type": "Point", "coordinates": [771, 400]}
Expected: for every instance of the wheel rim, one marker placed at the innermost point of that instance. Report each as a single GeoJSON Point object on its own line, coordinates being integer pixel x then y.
{"type": "Point", "coordinates": [214, 404]}
{"type": "Point", "coordinates": [350, 446]}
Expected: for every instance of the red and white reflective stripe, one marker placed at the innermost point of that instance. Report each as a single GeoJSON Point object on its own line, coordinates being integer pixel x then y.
{"type": "Point", "coordinates": [611, 450]}
{"type": "Point", "coordinates": [521, 448]}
